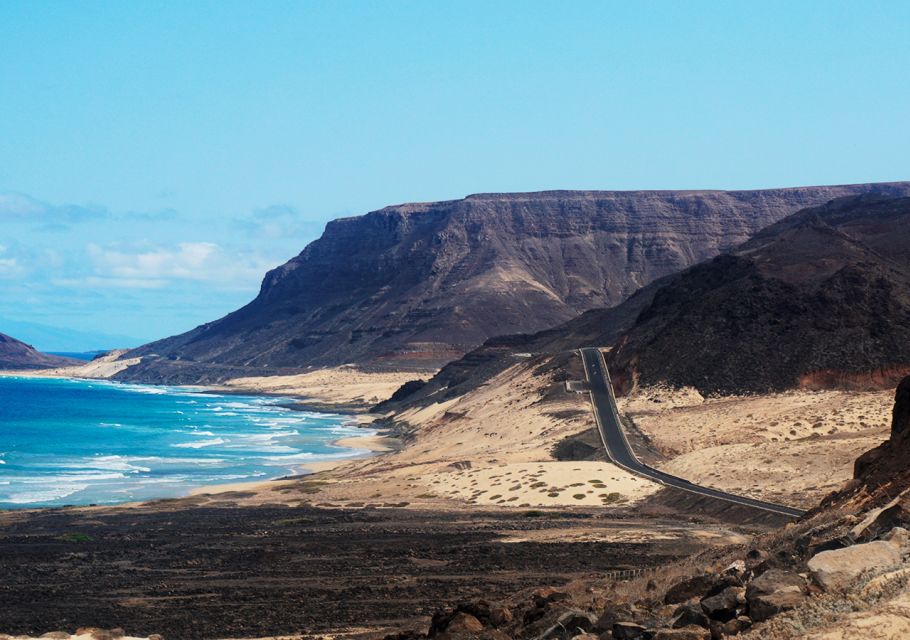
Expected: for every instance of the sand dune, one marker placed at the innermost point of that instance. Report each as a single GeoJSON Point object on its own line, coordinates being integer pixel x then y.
{"type": "Point", "coordinates": [793, 447]}
{"type": "Point", "coordinates": [345, 385]}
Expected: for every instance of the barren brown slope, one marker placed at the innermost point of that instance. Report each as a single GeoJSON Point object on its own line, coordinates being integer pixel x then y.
{"type": "Point", "coordinates": [421, 284]}
{"type": "Point", "coordinates": [17, 355]}
{"type": "Point", "coordinates": [819, 299]}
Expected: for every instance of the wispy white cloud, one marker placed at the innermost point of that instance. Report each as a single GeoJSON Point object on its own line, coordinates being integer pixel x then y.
{"type": "Point", "coordinates": [98, 282]}
{"type": "Point", "coordinates": [189, 260]}
{"type": "Point", "coordinates": [157, 266]}
{"type": "Point", "coordinates": [158, 271]}
{"type": "Point", "coordinates": [18, 206]}
{"type": "Point", "coordinates": [9, 266]}
{"type": "Point", "coordinates": [278, 221]}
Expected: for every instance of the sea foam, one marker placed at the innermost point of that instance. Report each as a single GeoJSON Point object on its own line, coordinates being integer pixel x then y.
{"type": "Point", "coordinates": [77, 442]}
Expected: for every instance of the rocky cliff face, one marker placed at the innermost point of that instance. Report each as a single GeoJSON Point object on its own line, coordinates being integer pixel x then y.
{"type": "Point", "coordinates": [888, 461]}
{"type": "Point", "coordinates": [821, 298]}
{"type": "Point", "coordinates": [421, 284]}
{"type": "Point", "coordinates": [16, 355]}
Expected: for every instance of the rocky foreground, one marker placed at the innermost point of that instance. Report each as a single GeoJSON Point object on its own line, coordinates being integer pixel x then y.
{"type": "Point", "coordinates": [193, 569]}
{"type": "Point", "coordinates": [843, 572]}
{"type": "Point", "coordinates": [191, 572]}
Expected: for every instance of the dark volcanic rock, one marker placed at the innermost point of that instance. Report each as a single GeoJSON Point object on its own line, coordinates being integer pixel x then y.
{"type": "Point", "coordinates": [567, 624]}
{"type": "Point", "coordinates": [421, 284]}
{"type": "Point", "coordinates": [881, 478]}
{"type": "Point", "coordinates": [18, 355]}
{"type": "Point", "coordinates": [463, 616]}
{"type": "Point", "coordinates": [821, 298]}
{"type": "Point", "coordinates": [283, 569]}
{"type": "Point", "coordinates": [684, 633]}
{"type": "Point", "coordinates": [724, 606]}
{"type": "Point", "coordinates": [880, 464]}
{"type": "Point", "coordinates": [773, 592]}
{"type": "Point", "coordinates": [687, 615]}
{"type": "Point", "coordinates": [695, 587]}
{"type": "Point", "coordinates": [463, 623]}
{"type": "Point", "coordinates": [403, 392]}
{"type": "Point", "coordinates": [628, 631]}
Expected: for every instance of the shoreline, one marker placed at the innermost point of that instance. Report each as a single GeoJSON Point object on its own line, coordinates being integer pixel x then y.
{"type": "Point", "coordinates": [362, 446]}
{"type": "Point", "coordinates": [375, 443]}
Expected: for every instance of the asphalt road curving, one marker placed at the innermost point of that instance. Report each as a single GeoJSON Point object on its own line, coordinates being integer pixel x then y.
{"type": "Point", "coordinates": [620, 453]}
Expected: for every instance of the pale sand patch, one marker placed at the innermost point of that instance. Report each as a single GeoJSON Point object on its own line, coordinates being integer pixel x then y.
{"type": "Point", "coordinates": [100, 368]}
{"type": "Point", "coordinates": [629, 532]}
{"type": "Point", "coordinates": [342, 385]}
{"type": "Point", "coordinates": [510, 278]}
{"type": "Point", "coordinates": [346, 385]}
{"type": "Point", "coordinates": [793, 447]}
{"type": "Point", "coordinates": [542, 484]}
{"type": "Point", "coordinates": [887, 620]}
{"type": "Point", "coordinates": [514, 420]}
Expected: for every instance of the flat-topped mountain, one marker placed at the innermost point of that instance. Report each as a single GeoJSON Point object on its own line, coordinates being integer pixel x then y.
{"type": "Point", "coordinates": [821, 298]}
{"type": "Point", "coordinates": [421, 284]}
{"type": "Point", "coordinates": [16, 355]}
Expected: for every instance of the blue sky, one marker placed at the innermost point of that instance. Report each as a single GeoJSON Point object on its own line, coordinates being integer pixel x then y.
{"type": "Point", "coordinates": [157, 157]}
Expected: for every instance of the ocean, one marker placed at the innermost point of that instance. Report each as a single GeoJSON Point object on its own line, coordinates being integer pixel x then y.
{"type": "Point", "coordinates": [77, 442]}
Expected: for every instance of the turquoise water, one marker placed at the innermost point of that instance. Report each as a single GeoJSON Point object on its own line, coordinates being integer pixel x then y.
{"type": "Point", "coordinates": [90, 442]}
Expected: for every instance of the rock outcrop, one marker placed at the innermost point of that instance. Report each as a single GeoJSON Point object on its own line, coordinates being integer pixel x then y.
{"type": "Point", "coordinates": [888, 461]}
{"type": "Point", "coordinates": [839, 568]}
{"type": "Point", "coordinates": [421, 284]}
{"type": "Point", "coordinates": [16, 355]}
{"type": "Point", "coordinates": [845, 566]}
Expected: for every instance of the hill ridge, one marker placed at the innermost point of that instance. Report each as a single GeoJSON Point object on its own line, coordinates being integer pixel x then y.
{"type": "Point", "coordinates": [420, 284]}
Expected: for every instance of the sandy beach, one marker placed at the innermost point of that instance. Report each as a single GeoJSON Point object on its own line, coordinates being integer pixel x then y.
{"type": "Point", "coordinates": [334, 387]}
{"type": "Point", "coordinates": [493, 447]}
{"type": "Point", "coordinates": [342, 390]}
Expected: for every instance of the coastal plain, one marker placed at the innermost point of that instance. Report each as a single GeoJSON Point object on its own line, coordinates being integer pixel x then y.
{"type": "Point", "coordinates": [363, 546]}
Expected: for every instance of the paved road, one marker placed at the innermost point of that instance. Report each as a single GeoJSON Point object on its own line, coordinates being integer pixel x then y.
{"type": "Point", "coordinates": [620, 453]}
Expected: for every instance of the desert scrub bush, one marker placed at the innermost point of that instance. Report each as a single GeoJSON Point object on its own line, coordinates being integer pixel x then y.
{"type": "Point", "coordinates": [311, 486]}
{"type": "Point", "coordinates": [76, 537]}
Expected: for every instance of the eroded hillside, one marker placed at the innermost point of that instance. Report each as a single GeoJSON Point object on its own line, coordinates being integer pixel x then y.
{"type": "Point", "coordinates": [418, 285]}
